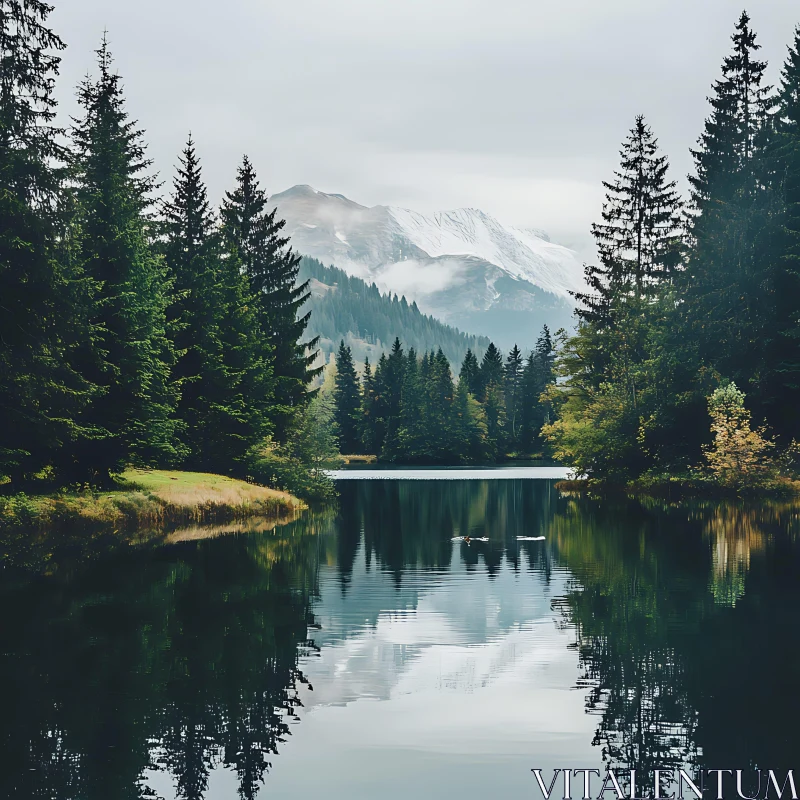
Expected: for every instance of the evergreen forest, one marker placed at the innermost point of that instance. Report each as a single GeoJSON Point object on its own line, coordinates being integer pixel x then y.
{"type": "Point", "coordinates": [136, 329]}
{"type": "Point", "coordinates": [408, 409]}
{"type": "Point", "coordinates": [686, 357]}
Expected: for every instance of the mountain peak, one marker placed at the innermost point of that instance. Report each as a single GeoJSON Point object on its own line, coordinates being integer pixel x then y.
{"type": "Point", "coordinates": [302, 191]}
{"type": "Point", "coordinates": [455, 264]}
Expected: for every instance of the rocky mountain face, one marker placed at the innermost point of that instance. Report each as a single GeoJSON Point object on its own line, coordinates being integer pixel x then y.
{"type": "Point", "coordinates": [463, 267]}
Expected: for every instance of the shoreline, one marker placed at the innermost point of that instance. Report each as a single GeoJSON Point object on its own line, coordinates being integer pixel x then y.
{"type": "Point", "coordinates": [153, 499]}
{"type": "Point", "coordinates": [677, 489]}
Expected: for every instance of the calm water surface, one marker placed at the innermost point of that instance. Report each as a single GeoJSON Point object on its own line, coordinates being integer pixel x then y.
{"type": "Point", "coordinates": [381, 472]}
{"type": "Point", "coordinates": [362, 652]}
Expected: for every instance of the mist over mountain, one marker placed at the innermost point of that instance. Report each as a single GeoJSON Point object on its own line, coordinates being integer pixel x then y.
{"type": "Point", "coordinates": [463, 266]}
{"type": "Point", "coordinates": [347, 308]}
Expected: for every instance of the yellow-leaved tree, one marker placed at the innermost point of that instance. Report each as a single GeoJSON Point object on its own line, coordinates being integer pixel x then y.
{"type": "Point", "coordinates": [739, 456]}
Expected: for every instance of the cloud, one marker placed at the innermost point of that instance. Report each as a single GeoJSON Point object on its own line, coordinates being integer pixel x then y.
{"type": "Point", "coordinates": [517, 107]}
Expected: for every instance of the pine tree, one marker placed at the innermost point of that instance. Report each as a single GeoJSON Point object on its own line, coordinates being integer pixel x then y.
{"type": "Point", "coordinates": [391, 392]}
{"type": "Point", "coordinates": [315, 437]}
{"type": "Point", "coordinates": [529, 418]}
{"type": "Point", "coordinates": [348, 401]}
{"type": "Point", "coordinates": [470, 374]}
{"type": "Point", "coordinates": [375, 434]}
{"type": "Point", "coordinates": [366, 428]}
{"type": "Point", "coordinates": [723, 286]}
{"type": "Point", "coordinates": [539, 373]}
{"type": "Point", "coordinates": [512, 391]}
{"type": "Point", "coordinates": [272, 269]}
{"type": "Point", "coordinates": [438, 411]}
{"type": "Point", "coordinates": [470, 434]}
{"type": "Point", "coordinates": [638, 241]}
{"type": "Point", "coordinates": [219, 361]}
{"type": "Point", "coordinates": [252, 232]}
{"type": "Point", "coordinates": [43, 295]}
{"type": "Point", "coordinates": [412, 443]}
{"type": "Point", "coordinates": [131, 356]}
{"type": "Point", "coordinates": [640, 248]}
{"type": "Point", "coordinates": [491, 370]}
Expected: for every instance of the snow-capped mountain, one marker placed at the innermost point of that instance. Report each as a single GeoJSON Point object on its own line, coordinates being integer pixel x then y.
{"type": "Point", "coordinates": [462, 266]}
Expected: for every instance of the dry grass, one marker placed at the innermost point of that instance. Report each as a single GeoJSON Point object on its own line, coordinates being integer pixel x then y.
{"type": "Point", "coordinates": [199, 488]}
{"type": "Point", "coordinates": [151, 499]}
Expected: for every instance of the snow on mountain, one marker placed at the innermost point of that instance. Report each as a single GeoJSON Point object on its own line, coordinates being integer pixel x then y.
{"type": "Point", "coordinates": [471, 232]}
{"type": "Point", "coordinates": [463, 266]}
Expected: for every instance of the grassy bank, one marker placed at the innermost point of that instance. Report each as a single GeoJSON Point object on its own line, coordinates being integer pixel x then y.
{"type": "Point", "coordinates": [148, 499]}
{"type": "Point", "coordinates": [356, 459]}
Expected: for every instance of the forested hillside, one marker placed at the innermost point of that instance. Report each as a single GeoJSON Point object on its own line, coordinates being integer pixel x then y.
{"type": "Point", "coordinates": [344, 307]}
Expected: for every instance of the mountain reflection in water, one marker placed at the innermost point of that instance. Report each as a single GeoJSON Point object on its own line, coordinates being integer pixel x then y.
{"type": "Point", "coordinates": [361, 652]}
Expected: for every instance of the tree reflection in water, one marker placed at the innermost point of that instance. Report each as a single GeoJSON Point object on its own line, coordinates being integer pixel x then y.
{"type": "Point", "coordinates": [147, 662]}
{"type": "Point", "coordinates": [178, 659]}
{"type": "Point", "coordinates": [682, 615]}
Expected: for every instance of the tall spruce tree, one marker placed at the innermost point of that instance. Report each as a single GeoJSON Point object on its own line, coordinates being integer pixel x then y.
{"type": "Point", "coordinates": [782, 343]}
{"type": "Point", "coordinates": [390, 396]}
{"type": "Point", "coordinates": [512, 391]}
{"type": "Point", "coordinates": [438, 411]}
{"type": "Point", "coordinates": [640, 247]}
{"type": "Point", "coordinates": [348, 401]}
{"type": "Point", "coordinates": [43, 295]}
{"type": "Point", "coordinates": [529, 421]}
{"type": "Point", "coordinates": [470, 374]}
{"type": "Point", "coordinates": [412, 442]}
{"type": "Point", "coordinates": [375, 420]}
{"type": "Point", "coordinates": [491, 370]}
{"type": "Point", "coordinates": [492, 397]}
{"type": "Point", "coordinates": [639, 239]}
{"type": "Point", "coordinates": [495, 421]}
{"type": "Point", "coordinates": [538, 374]}
{"type": "Point", "coordinates": [131, 356]}
{"type": "Point", "coordinates": [219, 365]}
{"type": "Point", "coordinates": [272, 268]}
{"type": "Point", "coordinates": [366, 428]}
{"type": "Point", "coordinates": [724, 286]}
{"type": "Point", "coordinates": [470, 434]}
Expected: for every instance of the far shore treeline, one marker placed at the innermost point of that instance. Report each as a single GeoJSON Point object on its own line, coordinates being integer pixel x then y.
{"type": "Point", "coordinates": [409, 409]}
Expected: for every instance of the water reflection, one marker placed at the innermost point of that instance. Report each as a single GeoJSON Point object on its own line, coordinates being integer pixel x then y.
{"type": "Point", "coordinates": [684, 618]}
{"type": "Point", "coordinates": [179, 660]}
{"type": "Point", "coordinates": [352, 649]}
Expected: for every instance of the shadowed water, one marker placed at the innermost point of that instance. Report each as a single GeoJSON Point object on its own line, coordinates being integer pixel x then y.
{"type": "Point", "coordinates": [371, 651]}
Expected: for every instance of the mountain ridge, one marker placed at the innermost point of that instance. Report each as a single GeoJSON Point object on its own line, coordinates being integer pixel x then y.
{"type": "Point", "coordinates": [462, 266]}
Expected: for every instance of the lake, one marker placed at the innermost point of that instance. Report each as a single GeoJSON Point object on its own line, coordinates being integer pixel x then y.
{"type": "Point", "coordinates": [371, 650]}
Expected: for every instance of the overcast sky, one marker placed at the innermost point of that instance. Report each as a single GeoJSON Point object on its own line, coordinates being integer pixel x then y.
{"type": "Point", "coordinates": [516, 107]}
